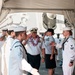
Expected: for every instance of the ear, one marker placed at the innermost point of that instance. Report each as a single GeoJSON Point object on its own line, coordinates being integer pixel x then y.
{"type": "Point", "coordinates": [20, 34]}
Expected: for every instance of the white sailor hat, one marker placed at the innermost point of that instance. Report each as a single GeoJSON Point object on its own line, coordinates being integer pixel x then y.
{"type": "Point", "coordinates": [66, 28]}
{"type": "Point", "coordinates": [34, 29]}
{"type": "Point", "coordinates": [4, 29]}
{"type": "Point", "coordinates": [11, 28]}
{"type": "Point", "coordinates": [20, 29]}
{"type": "Point", "coordinates": [1, 35]}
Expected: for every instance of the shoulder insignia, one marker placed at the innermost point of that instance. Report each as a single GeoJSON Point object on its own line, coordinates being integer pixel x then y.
{"type": "Point", "coordinates": [71, 47]}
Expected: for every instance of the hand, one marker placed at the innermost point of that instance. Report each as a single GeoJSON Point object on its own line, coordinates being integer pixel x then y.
{"type": "Point", "coordinates": [29, 35]}
{"type": "Point", "coordinates": [70, 64]}
{"type": "Point", "coordinates": [51, 57]}
{"type": "Point", "coordinates": [52, 43]}
{"type": "Point", "coordinates": [34, 72]}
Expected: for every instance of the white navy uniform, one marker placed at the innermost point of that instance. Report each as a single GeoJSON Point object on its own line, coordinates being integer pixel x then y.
{"type": "Point", "coordinates": [1, 44]}
{"type": "Point", "coordinates": [17, 54]}
{"type": "Point", "coordinates": [68, 56]}
{"type": "Point", "coordinates": [6, 53]}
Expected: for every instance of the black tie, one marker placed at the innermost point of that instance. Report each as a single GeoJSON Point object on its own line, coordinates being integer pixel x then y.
{"type": "Point", "coordinates": [24, 48]}
{"type": "Point", "coordinates": [65, 39]}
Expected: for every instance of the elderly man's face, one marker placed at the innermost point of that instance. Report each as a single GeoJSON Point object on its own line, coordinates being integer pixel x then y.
{"type": "Point", "coordinates": [34, 34]}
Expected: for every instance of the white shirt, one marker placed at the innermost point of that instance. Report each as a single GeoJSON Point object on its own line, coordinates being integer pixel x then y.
{"type": "Point", "coordinates": [31, 49]}
{"type": "Point", "coordinates": [46, 44]}
{"type": "Point", "coordinates": [58, 41]}
{"type": "Point", "coordinates": [17, 54]}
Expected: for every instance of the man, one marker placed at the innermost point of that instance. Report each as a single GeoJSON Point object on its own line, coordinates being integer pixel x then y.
{"type": "Point", "coordinates": [68, 46]}
{"type": "Point", "coordinates": [33, 48]}
{"type": "Point", "coordinates": [6, 50]}
{"type": "Point", "coordinates": [17, 62]}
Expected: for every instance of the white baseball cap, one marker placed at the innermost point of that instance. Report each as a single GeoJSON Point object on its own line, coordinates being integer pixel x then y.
{"type": "Point", "coordinates": [20, 28]}
{"type": "Point", "coordinates": [66, 28]}
{"type": "Point", "coordinates": [34, 29]}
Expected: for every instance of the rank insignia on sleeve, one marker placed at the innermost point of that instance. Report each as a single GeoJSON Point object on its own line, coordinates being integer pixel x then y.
{"type": "Point", "coordinates": [71, 47]}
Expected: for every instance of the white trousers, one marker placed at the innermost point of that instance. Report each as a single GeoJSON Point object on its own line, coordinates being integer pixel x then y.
{"type": "Point", "coordinates": [67, 70]}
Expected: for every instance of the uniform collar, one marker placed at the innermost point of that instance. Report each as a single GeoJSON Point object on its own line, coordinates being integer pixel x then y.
{"type": "Point", "coordinates": [9, 36]}
{"type": "Point", "coordinates": [70, 36]}
{"type": "Point", "coordinates": [17, 40]}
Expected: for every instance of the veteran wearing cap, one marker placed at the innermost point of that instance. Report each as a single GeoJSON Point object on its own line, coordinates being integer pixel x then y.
{"type": "Point", "coordinates": [68, 47]}
{"type": "Point", "coordinates": [33, 47]}
{"type": "Point", "coordinates": [17, 61]}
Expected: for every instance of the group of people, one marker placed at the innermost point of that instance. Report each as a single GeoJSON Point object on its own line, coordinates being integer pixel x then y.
{"type": "Point", "coordinates": [14, 55]}
{"type": "Point", "coordinates": [22, 52]}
